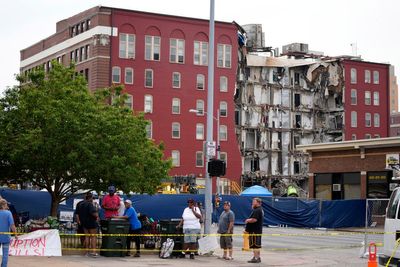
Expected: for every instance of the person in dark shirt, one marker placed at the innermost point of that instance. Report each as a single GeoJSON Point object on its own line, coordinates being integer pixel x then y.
{"type": "Point", "coordinates": [254, 226]}
{"type": "Point", "coordinates": [88, 217]}
{"type": "Point", "coordinates": [79, 229]}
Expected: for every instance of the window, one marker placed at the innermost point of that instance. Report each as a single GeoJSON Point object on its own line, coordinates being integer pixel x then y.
{"type": "Point", "coordinates": [87, 51]}
{"type": "Point", "coordinates": [200, 53]}
{"type": "Point", "coordinates": [176, 161]}
{"type": "Point", "coordinates": [376, 98]}
{"type": "Point", "coordinates": [377, 120]}
{"type": "Point", "coordinates": [224, 55]}
{"type": "Point", "coordinates": [367, 98]}
{"type": "Point", "coordinates": [126, 45]}
{"type": "Point", "coordinates": [176, 80]}
{"type": "Point", "coordinates": [353, 75]}
{"type": "Point", "coordinates": [148, 104]}
{"type": "Point", "coordinates": [353, 96]}
{"type": "Point", "coordinates": [152, 48]}
{"type": "Point", "coordinates": [223, 133]}
{"type": "Point", "coordinates": [367, 119]}
{"type": "Point", "coordinates": [176, 130]}
{"type": "Point", "coordinates": [128, 75]}
{"type": "Point", "coordinates": [367, 76]}
{"type": "Point", "coordinates": [82, 55]}
{"type": "Point", "coordinates": [129, 102]}
{"type": "Point", "coordinates": [200, 107]}
{"type": "Point", "coordinates": [353, 119]}
{"type": "Point", "coordinates": [376, 77]}
{"type": "Point", "coordinates": [176, 106]}
{"type": "Point", "coordinates": [353, 137]}
{"type": "Point", "coordinates": [199, 131]}
{"type": "Point", "coordinates": [223, 84]}
{"type": "Point", "coordinates": [223, 109]}
{"type": "Point", "coordinates": [224, 156]}
{"type": "Point", "coordinates": [199, 159]}
{"type": "Point", "coordinates": [392, 206]}
{"type": "Point", "coordinates": [72, 56]}
{"type": "Point", "coordinates": [149, 129]}
{"type": "Point", "coordinates": [116, 74]}
{"type": "Point", "coordinates": [367, 136]}
{"type": "Point", "coordinates": [176, 50]}
{"type": "Point", "coordinates": [200, 81]}
{"type": "Point", "coordinates": [148, 78]}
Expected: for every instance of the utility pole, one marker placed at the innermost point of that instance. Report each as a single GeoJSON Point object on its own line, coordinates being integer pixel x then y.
{"type": "Point", "coordinates": [210, 112]}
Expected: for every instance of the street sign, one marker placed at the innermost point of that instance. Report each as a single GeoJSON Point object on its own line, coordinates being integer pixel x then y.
{"type": "Point", "coordinates": [211, 148]}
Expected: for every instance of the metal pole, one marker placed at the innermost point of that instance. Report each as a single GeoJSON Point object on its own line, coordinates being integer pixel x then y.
{"type": "Point", "coordinates": [218, 152]}
{"type": "Point", "coordinates": [366, 228]}
{"type": "Point", "coordinates": [210, 112]}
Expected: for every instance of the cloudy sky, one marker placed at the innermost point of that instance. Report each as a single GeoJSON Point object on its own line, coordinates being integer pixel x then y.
{"type": "Point", "coordinates": [329, 26]}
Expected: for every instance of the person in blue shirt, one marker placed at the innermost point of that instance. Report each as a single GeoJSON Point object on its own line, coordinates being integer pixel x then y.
{"type": "Point", "coordinates": [6, 224]}
{"type": "Point", "coordinates": [134, 228]}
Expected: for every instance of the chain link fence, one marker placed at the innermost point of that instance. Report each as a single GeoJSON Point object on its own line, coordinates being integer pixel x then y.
{"type": "Point", "coordinates": [375, 213]}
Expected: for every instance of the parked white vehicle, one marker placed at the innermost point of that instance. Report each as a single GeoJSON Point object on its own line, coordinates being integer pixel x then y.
{"type": "Point", "coordinates": [392, 231]}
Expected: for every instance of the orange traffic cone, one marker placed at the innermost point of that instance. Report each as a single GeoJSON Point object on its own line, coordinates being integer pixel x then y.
{"type": "Point", "coordinates": [372, 255]}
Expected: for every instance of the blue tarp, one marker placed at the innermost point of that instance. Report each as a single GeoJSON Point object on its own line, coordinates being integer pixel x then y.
{"type": "Point", "coordinates": [292, 212]}
{"type": "Point", "coordinates": [256, 191]}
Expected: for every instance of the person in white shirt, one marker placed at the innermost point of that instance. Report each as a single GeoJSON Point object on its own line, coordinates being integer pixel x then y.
{"type": "Point", "coordinates": [191, 227]}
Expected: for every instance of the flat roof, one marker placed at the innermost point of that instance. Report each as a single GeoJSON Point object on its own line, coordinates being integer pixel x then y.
{"type": "Point", "coordinates": [356, 144]}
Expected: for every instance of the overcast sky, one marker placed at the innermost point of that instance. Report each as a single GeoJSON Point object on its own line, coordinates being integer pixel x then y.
{"type": "Point", "coordinates": [328, 26]}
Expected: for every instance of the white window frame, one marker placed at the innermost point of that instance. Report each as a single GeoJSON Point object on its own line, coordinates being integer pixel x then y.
{"type": "Point", "coordinates": [221, 108]}
{"type": "Point", "coordinates": [367, 76]}
{"type": "Point", "coordinates": [376, 77]}
{"type": "Point", "coordinates": [377, 136]}
{"type": "Point", "coordinates": [200, 54]}
{"type": "Point", "coordinates": [223, 80]}
{"type": "Point", "coordinates": [353, 137]}
{"type": "Point", "coordinates": [129, 52]}
{"type": "Point", "coordinates": [368, 97]}
{"type": "Point", "coordinates": [221, 132]}
{"type": "Point", "coordinates": [176, 102]}
{"type": "Point", "coordinates": [174, 75]}
{"type": "Point", "coordinates": [199, 131]}
{"type": "Point", "coordinates": [176, 158]}
{"type": "Point", "coordinates": [353, 75]}
{"type": "Point", "coordinates": [179, 46]}
{"type": "Point", "coordinates": [116, 68]}
{"type": "Point", "coordinates": [199, 154]}
{"type": "Point", "coordinates": [151, 47]}
{"type": "Point", "coordinates": [201, 77]}
{"type": "Point", "coordinates": [376, 98]}
{"type": "Point", "coordinates": [377, 120]}
{"type": "Point", "coordinates": [368, 119]}
{"type": "Point", "coordinates": [368, 136]}
{"type": "Point", "coordinates": [148, 103]}
{"type": "Point", "coordinates": [145, 78]}
{"type": "Point", "coordinates": [353, 119]}
{"type": "Point", "coordinates": [200, 107]}
{"type": "Point", "coordinates": [353, 98]}
{"type": "Point", "coordinates": [178, 125]}
{"type": "Point", "coordinates": [129, 101]}
{"type": "Point", "coordinates": [225, 156]}
{"type": "Point", "coordinates": [126, 71]}
{"type": "Point", "coordinates": [224, 56]}
{"type": "Point", "coordinates": [149, 129]}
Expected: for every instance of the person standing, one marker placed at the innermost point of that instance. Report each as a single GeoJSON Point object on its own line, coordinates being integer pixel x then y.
{"type": "Point", "coordinates": [88, 216]}
{"type": "Point", "coordinates": [225, 228]}
{"type": "Point", "coordinates": [254, 226]}
{"type": "Point", "coordinates": [79, 229]}
{"type": "Point", "coordinates": [6, 224]}
{"type": "Point", "coordinates": [134, 227]}
{"type": "Point", "coordinates": [111, 203]}
{"type": "Point", "coordinates": [191, 227]}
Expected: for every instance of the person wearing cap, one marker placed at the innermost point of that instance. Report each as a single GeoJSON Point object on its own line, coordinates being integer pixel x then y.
{"type": "Point", "coordinates": [191, 227]}
{"type": "Point", "coordinates": [225, 228]}
{"type": "Point", "coordinates": [111, 203]}
{"type": "Point", "coordinates": [134, 227]}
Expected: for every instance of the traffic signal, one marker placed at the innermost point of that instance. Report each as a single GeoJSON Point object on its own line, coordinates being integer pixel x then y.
{"type": "Point", "coordinates": [216, 167]}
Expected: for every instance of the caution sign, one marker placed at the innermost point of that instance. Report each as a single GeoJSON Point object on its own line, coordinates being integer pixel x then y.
{"type": "Point", "coordinates": [392, 160]}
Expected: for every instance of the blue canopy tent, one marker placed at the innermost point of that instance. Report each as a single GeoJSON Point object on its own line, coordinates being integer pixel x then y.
{"type": "Point", "coordinates": [256, 191]}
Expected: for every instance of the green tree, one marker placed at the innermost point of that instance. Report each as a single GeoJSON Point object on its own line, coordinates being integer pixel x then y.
{"type": "Point", "coordinates": [59, 136]}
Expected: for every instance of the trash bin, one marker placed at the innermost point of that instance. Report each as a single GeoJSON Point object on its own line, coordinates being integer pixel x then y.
{"type": "Point", "coordinates": [168, 227]}
{"type": "Point", "coordinates": [114, 246]}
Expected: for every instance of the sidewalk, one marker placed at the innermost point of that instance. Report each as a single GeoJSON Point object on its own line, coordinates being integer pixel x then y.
{"type": "Point", "coordinates": [326, 257]}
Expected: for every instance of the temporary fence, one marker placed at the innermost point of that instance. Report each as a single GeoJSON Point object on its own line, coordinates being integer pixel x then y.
{"type": "Point", "coordinates": [375, 211]}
